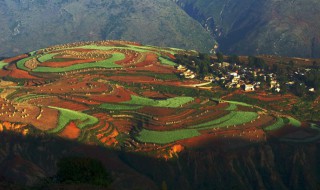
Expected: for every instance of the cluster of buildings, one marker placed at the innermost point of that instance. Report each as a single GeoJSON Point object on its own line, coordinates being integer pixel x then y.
{"type": "Point", "coordinates": [186, 73]}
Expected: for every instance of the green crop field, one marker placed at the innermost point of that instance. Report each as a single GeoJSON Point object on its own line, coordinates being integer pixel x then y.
{"type": "Point", "coordinates": [164, 137]}
{"type": "Point", "coordinates": [21, 99]}
{"type": "Point", "coordinates": [167, 62]}
{"type": "Point", "coordinates": [66, 116]}
{"type": "Point", "coordinates": [46, 57]}
{"type": "Point", "coordinates": [294, 122]}
{"type": "Point", "coordinates": [168, 103]}
{"type": "Point", "coordinates": [20, 63]}
{"type": "Point", "coordinates": [233, 118]}
{"type": "Point", "coordinates": [109, 63]}
{"type": "Point", "coordinates": [277, 125]}
{"type": "Point", "coordinates": [2, 64]}
{"type": "Point", "coordinates": [118, 107]}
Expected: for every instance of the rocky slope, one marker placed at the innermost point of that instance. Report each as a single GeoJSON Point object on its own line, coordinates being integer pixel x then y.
{"type": "Point", "coordinates": [287, 28]}
{"type": "Point", "coordinates": [33, 24]}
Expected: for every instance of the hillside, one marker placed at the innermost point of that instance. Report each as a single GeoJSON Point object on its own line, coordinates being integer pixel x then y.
{"type": "Point", "coordinates": [128, 105]}
{"type": "Point", "coordinates": [29, 25]}
{"type": "Point", "coordinates": [287, 28]}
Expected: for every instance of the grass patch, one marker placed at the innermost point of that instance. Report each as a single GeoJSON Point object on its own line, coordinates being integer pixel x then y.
{"type": "Point", "coordinates": [168, 103]}
{"type": "Point", "coordinates": [108, 63]}
{"type": "Point", "coordinates": [66, 116]}
{"type": "Point", "coordinates": [165, 137]}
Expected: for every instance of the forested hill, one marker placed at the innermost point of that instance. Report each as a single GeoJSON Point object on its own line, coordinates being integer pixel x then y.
{"type": "Point", "coordinates": [287, 28]}
{"type": "Point", "coordinates": [33, 24]}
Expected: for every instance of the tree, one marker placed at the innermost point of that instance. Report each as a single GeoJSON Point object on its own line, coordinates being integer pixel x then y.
{"type": "Point", "coordinates": [82, 170]}
{"type": "Point", "coordinates": [234, 59]}
{"type": "Point", "coordinates": [220, 57]}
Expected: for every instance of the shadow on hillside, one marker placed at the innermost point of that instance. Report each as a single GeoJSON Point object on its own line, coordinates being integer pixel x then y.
{"type": "Point", "coordinates": [272, 165]}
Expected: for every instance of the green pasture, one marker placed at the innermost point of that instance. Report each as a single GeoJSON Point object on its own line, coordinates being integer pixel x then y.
{"type": "Point", "coordinates": [66, 116]}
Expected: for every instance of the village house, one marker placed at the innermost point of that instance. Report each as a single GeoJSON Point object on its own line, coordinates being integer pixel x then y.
{"type": "Point", "coordinates": [248, 88]}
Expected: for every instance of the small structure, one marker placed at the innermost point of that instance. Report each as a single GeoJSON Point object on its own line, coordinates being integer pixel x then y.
{"type": "Point", "coordinates": [248, 88]}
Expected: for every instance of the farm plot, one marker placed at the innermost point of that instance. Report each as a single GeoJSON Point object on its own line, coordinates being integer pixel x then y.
{"type": "Point", "coordinates": [167, 62]}
{"type": "Point", "coordinates": [119, 107]}
{"type": "Point", "coordinates": [2, 64]}
{"type": "Point", "coordinates": [233, 118]}
{"type": "Point", "coordinates": [165, 137]}
{"type": "Point", "coordinates": [46, 57]}
{"type": "Point", "coordinates": [109, 63]}
{"type": "Point", "coordinates": [66, 116]}
{"type": "Point", "coordinates": [168, 103]}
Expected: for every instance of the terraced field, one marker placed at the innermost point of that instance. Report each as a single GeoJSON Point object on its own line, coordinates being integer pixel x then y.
{"type": "Point", "coordinates": [125, 96]}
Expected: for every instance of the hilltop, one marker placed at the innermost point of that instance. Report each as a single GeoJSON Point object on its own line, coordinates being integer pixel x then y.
{"type": "Point", "coordinates": [29, 25]}
{"type": "Point", "coordinates": [130, 101]}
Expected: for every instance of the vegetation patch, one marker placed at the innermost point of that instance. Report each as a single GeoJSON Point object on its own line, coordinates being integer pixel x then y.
{"type": "Point", "coordinates": [66, 116]}
{"type": "Point", "coordinates": [109, 63]}
{"type": "Point", "coordinates": [2, 64]}
{"type": "Point", "coordinates": [119, 107]}
{"type": "Point", "coordinates": [168, 103]}
{"type": "Point", "coordinates": [165, 137]}
{"type": "Point", "coordinates": [46, 57]}
{"type": "Point", "coordinates": [233, 118]}
{"type": "Point", "coordinates": [277, 125]}
{"type": "Point", "coordinates": [167, 62]}
{"type": "Point", "coordinates": [21, 99]}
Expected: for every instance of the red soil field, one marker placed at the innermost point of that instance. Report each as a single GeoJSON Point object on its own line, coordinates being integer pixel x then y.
{"type": "Point", "coordinates": [55, 101]}
{"type": "Point", "coordinates": [20, 74]}
{"type": "Point", "coordinates": [67, 63]}
{"type": "Point", "coordinates": [71, 131]}
{"type": "Point", "coordinates": [156, 68]}
{"type": "Point", "coordinates": [150, 59]}
{"type": "Point", "coordinates": [9, 60]}
{"type": "Point", "coordinates": [153, 94]}
{"type": "Point", "coordinates": [119, 95]}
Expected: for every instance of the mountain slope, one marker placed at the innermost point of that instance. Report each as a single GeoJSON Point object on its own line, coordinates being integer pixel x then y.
{"type": "Point", "coordinates": [29, 25]}
{"type": "Point", "coordinates": [288, 28]}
